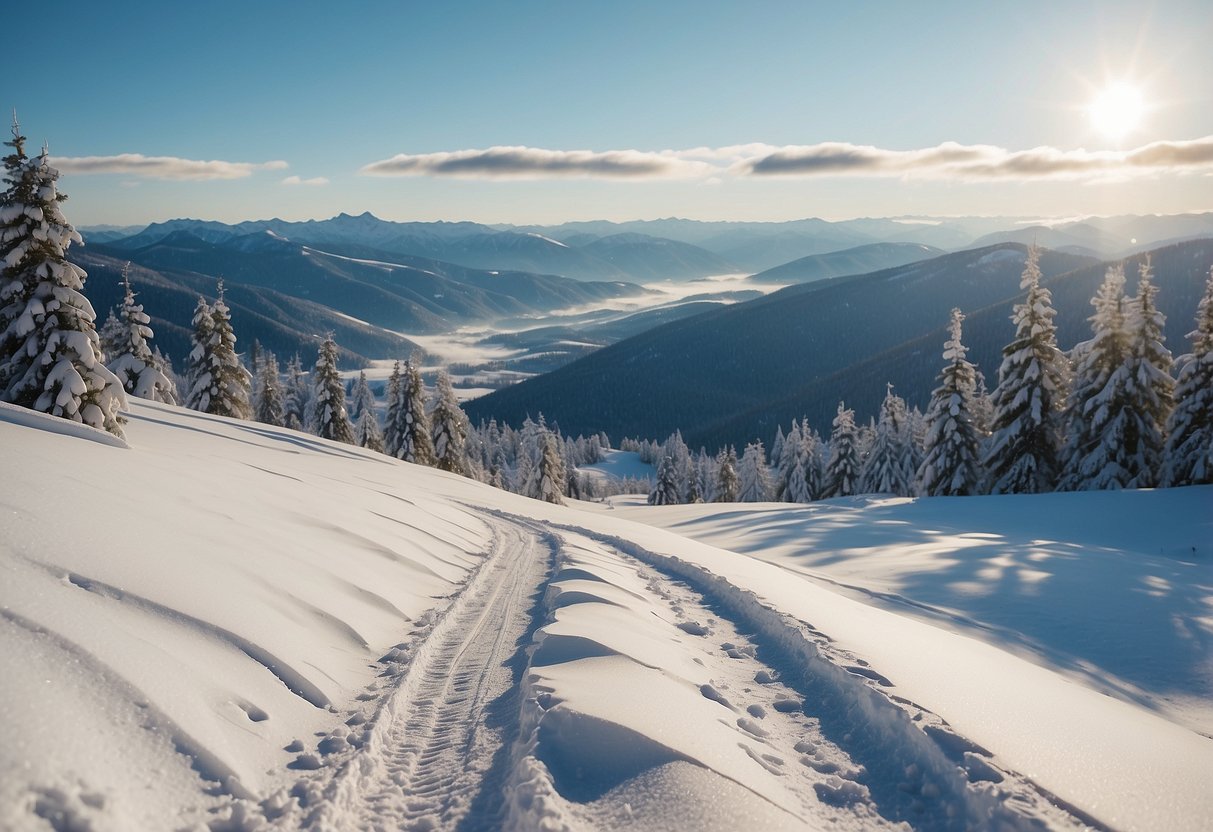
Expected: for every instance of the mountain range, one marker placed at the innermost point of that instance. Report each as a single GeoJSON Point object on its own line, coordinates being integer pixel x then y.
{"type": "Point", "coordinates": [675, 249]}
{"type": "Point", "coordinates": [734, 373]}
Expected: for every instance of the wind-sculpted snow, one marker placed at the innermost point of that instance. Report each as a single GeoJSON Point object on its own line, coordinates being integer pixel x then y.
{"type": "Point", "coordinates": [232, 627]}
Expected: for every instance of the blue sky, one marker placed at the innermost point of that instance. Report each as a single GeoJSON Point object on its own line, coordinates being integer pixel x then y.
{"type": "Point", "coordinates": [708, 110]}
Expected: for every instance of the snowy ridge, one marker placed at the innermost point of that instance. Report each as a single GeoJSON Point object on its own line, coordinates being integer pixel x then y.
{"type": "Point", "coordinates": [928, 775]}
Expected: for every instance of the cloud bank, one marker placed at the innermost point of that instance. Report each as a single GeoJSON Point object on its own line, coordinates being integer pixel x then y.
{"type": "Point", "coordinates": [949, 161]}
{"type": "Point", "coordinates": [958, 162]}
{"type": "Point", "coordinates": [538, 163]}
{"type": "Point", "coordinates": [162, 167]}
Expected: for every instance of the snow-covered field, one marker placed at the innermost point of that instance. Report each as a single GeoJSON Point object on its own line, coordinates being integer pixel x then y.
{"type": "Point", "coordinates": [231, 626]}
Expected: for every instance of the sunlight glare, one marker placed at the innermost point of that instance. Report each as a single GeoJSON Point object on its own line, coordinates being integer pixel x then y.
{"type": "Point", "coordinates": [1117, 110]}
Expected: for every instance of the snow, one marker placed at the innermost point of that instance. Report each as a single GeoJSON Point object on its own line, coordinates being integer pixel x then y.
{"type": "Point", "coordinates": [242, 627]}
{"type": "Point", "coordinates": [618, 465]}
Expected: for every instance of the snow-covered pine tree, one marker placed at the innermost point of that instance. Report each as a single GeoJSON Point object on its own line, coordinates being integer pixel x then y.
{"type": "Point", "coordinates": [50, 355]}
{"type": "Point", "coordinates": [1188, 457]}
{"type": "Point", "coordinates": [843, 471]}
{"type": "Point", "coordinates": [665, 492]}
{"type": "Point", "coordinates": [198, 363]}
{"type": "Point", "coordinates": [268, 407]}
{"type": "Point", "coordinates": [219, 382]}
{"type": "Point", "coordinates": [367, 433]}
{"type": "Point", "coordinates": [360, 397]}
{"type": "Point", "coordinates": [727, 484]}
{"type": "Point", "coordinates": [790, 450]}
{"type": "Point", "coordinates": [328, 397]}
{"type": "Point", "coordinates": [449, 428]}
{"type": "Point", "coordinates": [1100, 417]}
{"type": "Point", "coordinates": [753, 474]}
{"type": "Point", "coordinates": [951, 465]}
{"type": "Point", "coordinates": [413, 423]}
{"type": "Point", "coordinates": [814, 459]}
{"type": "Point", "coordinates": [1152, 387]}
{"type": "Point", "coordinates": [132, 359]}
{"type": "Point", "coordinates": [890, 468]}
{"type": "Point", "coordinates": [296, 395]}
{"type": "Point", "coordinates": [1024, 449]}
{"type": "Point", "coordinates": [548, 482]}
{"type": "Point", "coordinates": [392, 418]}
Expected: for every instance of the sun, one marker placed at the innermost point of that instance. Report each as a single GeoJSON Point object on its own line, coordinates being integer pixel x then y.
{"type": "Point", "coordinates": [1117, 110]}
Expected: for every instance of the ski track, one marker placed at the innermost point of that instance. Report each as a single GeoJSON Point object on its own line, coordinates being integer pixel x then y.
{"type": "Point", "coordinates": [447, 738]}
{"type": "Point", "coordinates": [442, 752]}
{"type": "Point", "coordinates": [858, 745]}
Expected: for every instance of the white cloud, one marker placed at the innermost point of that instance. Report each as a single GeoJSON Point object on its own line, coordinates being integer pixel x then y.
{"type": "Point", "coordinates": [982, 162]}
{"type": "Point", "coordinates": [162, 167]}
{"type": "Point", "coordinates": [538, 163]}
{"type": "Point", "coordinates": [295, 180]}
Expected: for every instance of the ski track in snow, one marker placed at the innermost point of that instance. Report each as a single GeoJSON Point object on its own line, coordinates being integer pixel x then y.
{"type": "Point", "coordinates": [436, 752]}
{"type": "Point", "coordinates": [455, 739]}
{"type": "Point", "coordinates": [855, 745]}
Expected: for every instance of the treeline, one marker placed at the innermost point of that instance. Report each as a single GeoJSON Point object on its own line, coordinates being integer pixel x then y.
{"type": "Point", "coordinates": [1109, 414]}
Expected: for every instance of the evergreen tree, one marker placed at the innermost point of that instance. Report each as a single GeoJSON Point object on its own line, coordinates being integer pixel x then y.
{"type": "Point", "coordinates": [197, 368]}
{"type": "Point", "coordinates": [268, 406]}
{"type": "Point", "coordinates": [754, 476]}
{"type": "Point", "coordinates": [392, 418]}
{"type": "Point", "coordinates": [449, 428]}
{"type": "Point", "coordinates": [132, 359]}
{"type": "Point", "coordinates": [951, 464]}
{"type": "Point", "coordinates": [1188, 457]}
{"type": "Point", "coordinates": [842, 472]}
{"type": "Point", "coordinates": [296, 395]}
{"type": "Point", "coordinates": [549, 482]}
{"type": "Point", "coordinates": [727, 484]}
{"type": "Point", "coordinates": [787, 461]}
{"type": "Point", "coordinates": [328, 397]}
{"type": "Point", "coordinates": [1100, 416]}
{"type": "Point", "coordinates": [1024, 448]}
{"type": "Point", "coordinates": [220, 384]}
{"type": "Point", "coordinates": [360, 397]}
{"type": "Point", "coordinates": [50, 355]}
{"type": "Point", "coordinates": [1152, 389]}
{"type": "Point", "coordinates": [416, 442]}
{"type": "Point", "coordinates": [665, 492]}
{"type": "Point", "coordinates": [367, 433]}
{"type": "Point", "coordinates": [890, 466]}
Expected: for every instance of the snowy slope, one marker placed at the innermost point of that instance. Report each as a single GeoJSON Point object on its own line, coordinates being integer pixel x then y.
{"type": "Point", "coordinates": [230, 626]}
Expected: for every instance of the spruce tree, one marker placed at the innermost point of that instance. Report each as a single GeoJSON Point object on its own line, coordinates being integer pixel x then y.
{"type": "Point", "coordinates": [367, 433]}
{"type": "Point", "coordinates": [727, 484]}
{"type": "Point", "coordinates": [268, 406]}
{"type": "Point", "coordinates": [549, 480]}
{"type": "Point", "coordinates": [132, 360]}
{"type": "Point", "coordinates": [409, 422]}
{"type": "Point", "coordinates": [198, 363]}
{"type": "Point", "coordinates": [787, 462]}
{"type": "Point", "coordinates": [754, 476]}
{"type": "Point", "coordinates": [951, 463]}
{"type": "Point", "coordinates": [296, 395]}
{"type": "Point", "coordinates": [665, 492]}
{"type": "Point", "coordinates": [449, 428]}
{"type": "Point", "coordinates": [843, 471]}
{"type": "Point", "coordinates": [1100, 413]}
{"type": "Point", "coordinates": [1024, 449]}
{"type": "Point", "coordinates": [50, 354]}
{"type": "Point", "coordinates": [328, 397]}
{"type": "Point", "coordinates": [1152, 389]}
{"type": "Point", "coordinates": [890, 466]}
{"type": "Point", "coordinates": [1188, 456]}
